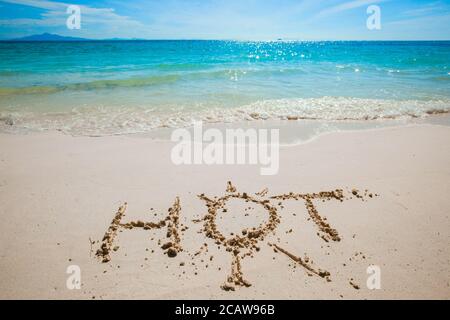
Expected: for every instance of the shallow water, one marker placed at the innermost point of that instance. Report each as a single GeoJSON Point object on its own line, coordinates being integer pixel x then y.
{"type": "Point", "coordinates": [116, 87]}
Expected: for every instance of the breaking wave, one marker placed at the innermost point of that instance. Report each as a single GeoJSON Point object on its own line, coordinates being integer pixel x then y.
{"type": "Point", "coordinates": [103, 120]}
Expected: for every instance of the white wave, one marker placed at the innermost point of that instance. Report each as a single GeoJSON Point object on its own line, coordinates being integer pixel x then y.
{"type": "Point", "coordinates": [103, 120]}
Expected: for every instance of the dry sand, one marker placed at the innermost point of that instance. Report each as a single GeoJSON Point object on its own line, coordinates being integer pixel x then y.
{"type": "Point", "coordinates": [59, 194]}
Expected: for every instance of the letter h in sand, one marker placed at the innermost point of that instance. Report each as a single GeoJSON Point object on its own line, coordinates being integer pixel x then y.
{"type": "Point", "coordinates": [173, 247]}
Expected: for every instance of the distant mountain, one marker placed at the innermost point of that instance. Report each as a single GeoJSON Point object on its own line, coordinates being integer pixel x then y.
{"type": "Point", "coordinates": [48, 37]}
{"type": "Point", "coordinates": [56, 37]}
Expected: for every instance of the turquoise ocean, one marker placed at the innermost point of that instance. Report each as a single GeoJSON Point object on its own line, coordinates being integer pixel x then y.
{"type": "Point", "coordinates": [121, 87]}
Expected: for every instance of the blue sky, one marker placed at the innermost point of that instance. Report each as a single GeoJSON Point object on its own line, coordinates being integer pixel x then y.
{"type": "Point", "coordinates": [230, 19]}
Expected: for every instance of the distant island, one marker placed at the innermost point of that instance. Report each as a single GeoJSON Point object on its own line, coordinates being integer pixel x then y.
{"type": "Point", "coordinates": [57, 38]}
{"type": "Point", "coordinates": [48, 37]}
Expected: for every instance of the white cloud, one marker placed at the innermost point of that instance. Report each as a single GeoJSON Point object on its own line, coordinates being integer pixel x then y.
{"type": "Point", "coordinates": [347, 6]}
{"type": "Point", "coordinates": [42, 4]}
{"type": "Point", "coordinates": [423, 21]}
{"type": "Point", "coordinates": [32, 22]}
{"type": "Point", "coordinates": [56, 15]}
{"type": "Point", "coordinates": [430, 8]}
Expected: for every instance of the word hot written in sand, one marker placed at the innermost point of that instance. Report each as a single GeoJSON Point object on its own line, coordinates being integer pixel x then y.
{"type": "Point", "coordinates": [239, 246]}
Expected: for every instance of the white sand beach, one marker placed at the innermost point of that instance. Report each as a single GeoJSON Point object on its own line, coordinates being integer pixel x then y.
{"type": "Point", "coordinates": [59, 193]}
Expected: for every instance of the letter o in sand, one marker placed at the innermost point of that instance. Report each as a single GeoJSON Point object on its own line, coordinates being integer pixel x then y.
{"type": "Point", "coordinates": [239, 246]}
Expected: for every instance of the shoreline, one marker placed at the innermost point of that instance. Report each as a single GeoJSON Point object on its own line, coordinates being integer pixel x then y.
{"type": "Point", "coordinates": [292, 132]}
{"type": "Point", "coordinates": [90, 120]}
{"type": "Point", "coordinates": [58, 192]}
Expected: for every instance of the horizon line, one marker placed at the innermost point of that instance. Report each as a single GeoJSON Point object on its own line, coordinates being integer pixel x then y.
{"type": "Point", "coordinates": [234, 40]}
{"type": "Point", "coordinates": [64, 38]}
